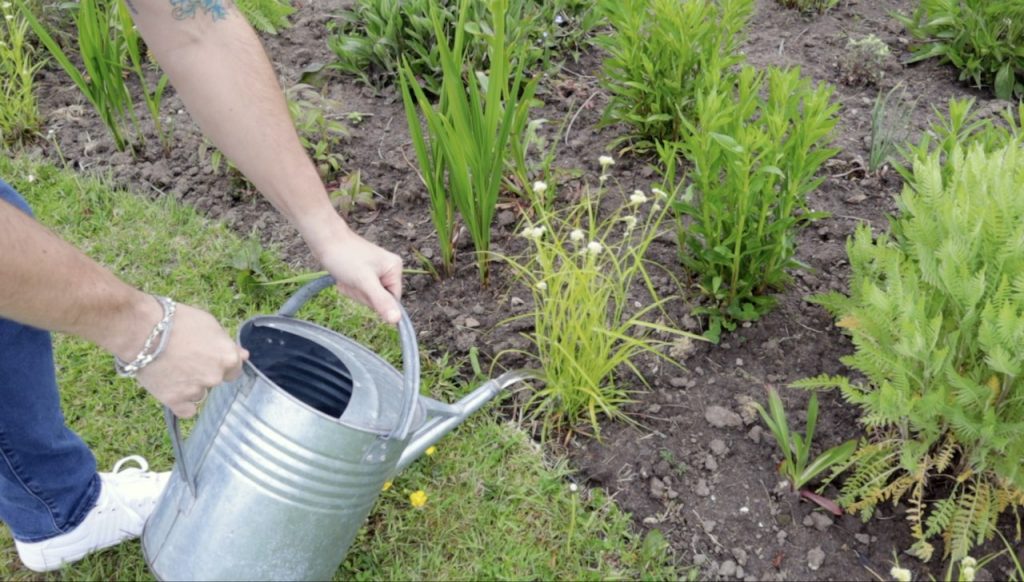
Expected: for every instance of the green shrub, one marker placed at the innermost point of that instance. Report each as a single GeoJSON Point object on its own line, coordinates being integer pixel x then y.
{"type": "Point", "coordinates": [658, 53]}
{"type": "Point", "coordinates": [936, 314]}
{"type": "Point", "coordinates": [984, 39]}
{"type": "Point", "coordinates": [19, 110]}
{"type": "Point", "coordinates": [809, 5]}
{"type": "Point", "coordinates": [754, 161]}
{"type": "Point", "coordinates": [376, 36]}
{"type": "Point", "coordinates": [581, 270]}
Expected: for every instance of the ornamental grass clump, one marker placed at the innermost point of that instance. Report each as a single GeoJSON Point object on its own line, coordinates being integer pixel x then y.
{"type": "Point", "coordinates": [19, 109]}
{"type": "Point", "coordinates": [470, 130]}
{"type": "Point", "coordinates": [756, 149]}
{"type": "Point", "coordinates": [936, 314]}
{"type": "Point", "coordinates": [658, 53]}
{"type": "Point", "coordinates": [588, 326]}
{"type": "Point", "coordinates": [984, 39]}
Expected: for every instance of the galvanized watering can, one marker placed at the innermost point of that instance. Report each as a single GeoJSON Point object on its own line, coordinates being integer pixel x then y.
{"type": "Point", "coordinates": [284, 464]}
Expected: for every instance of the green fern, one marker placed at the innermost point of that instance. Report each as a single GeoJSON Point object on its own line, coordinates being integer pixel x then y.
{"type": "Point", "coordinates": [936, 316]}
{"type": "Point", "coordinates": [270, 16]}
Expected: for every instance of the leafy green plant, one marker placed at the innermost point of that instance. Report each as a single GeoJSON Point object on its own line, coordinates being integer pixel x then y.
{"type": "Point", "coordinates": [581, 269]}
{"type": "Point", "coordinates": [19, 110]}
{"type": "Point", "coordinates": [463, 165]}
{"type": "Point", "coordinates": [754, 161]}
{"type": "Point", "coordinates": [797, 466]}
{"type": "Point", "coordinates": [270, 16]}
{"type": "Point", "coordinates": [865, 60]}
{"type": "Point", "coordinates": [318, 122]}
{"type": "Point", "coordinates": [890, 126]}
{"type": "Point", "coordinates": [108, 45]}
{"type": "Point", "coordinates": [373, 39]}
{"type": "Point", "coordinates": [350, 192]}
{"type": "Point", "coordinates": [658, 53]}
{"type": "Point", "coordinates": [936, 314]}
{"type": "Point", "coordinates": [809, 5]}
{"type": "Point", "coordinates": [984, 39]}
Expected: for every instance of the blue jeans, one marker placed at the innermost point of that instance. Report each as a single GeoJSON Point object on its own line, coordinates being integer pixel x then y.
{"type": "Point", "coordinates": [48, 480]}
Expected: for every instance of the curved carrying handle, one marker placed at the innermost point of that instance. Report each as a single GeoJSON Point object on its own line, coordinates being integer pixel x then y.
{"type": "Point", "coordinates": [410, 372]}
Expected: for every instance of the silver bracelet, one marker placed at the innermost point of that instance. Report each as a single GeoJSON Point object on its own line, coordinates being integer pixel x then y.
{"type": "Point", "coordinates": [146, 356]}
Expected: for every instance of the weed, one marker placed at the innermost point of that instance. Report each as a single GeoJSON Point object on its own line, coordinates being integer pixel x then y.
{"type": "Point", "coordinates": [797, 466]}
{"type": "Point", "coordinates": [581, 270]}
{"type": "Point", "coordinates": [865, 61]}
{"type": "Point", "coordinates": [809, 5]}
{"type": "Point", "coordinates": [981, 38]}
{"type": "Point", "coordinates": [19, 110]}
{"type": "Point", "coordinates": [890, 126]}
{"type": "Point", "coordinates": [658, 53]}
{"type": "Point", "coordinates": [351, 192]}
{"type": "Point", "coordinates": [936, 314]}
{"type": "Point", "coordinates": [755, 158]}
{"type": "Point", "coordinates": [470, 131]}
{"type": "Point", "coordinates": [318, 122]}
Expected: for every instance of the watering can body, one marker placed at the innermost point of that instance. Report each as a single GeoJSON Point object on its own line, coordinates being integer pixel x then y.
{"type": "Point", "coordinates": [285, 463]}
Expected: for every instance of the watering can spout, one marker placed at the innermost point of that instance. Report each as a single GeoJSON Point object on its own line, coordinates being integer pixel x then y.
{"type": "Point", "coordinates": [442, 418]}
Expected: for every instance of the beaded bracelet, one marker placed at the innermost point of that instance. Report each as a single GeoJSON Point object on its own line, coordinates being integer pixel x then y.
{"type": "Point", "coordinates": [146, 357]}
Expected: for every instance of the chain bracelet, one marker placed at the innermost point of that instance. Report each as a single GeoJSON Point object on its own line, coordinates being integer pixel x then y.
{"type": "Point", "coordinates": [146, 356]}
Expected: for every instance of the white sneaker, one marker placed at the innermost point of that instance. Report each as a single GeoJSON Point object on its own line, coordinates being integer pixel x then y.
{"type": "Point", "coordinates": [127, 496]}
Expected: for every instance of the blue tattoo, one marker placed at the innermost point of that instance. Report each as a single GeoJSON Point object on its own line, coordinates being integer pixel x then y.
{"type": "Point", "coordinates": [217, 9]}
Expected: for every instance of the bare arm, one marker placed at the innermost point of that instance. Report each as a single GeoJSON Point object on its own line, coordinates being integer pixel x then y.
{"type": "Point", "coordinates": [220, 70]}
{"type": "Point", "coordinates": [47, 283]}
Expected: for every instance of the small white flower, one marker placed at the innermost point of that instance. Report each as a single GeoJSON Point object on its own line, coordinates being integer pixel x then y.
{"type": "Point", "coordinates": [534, 233]}
{"type": "Point", "coordinates": [900, 574]}
{"type": "Point", "coordinates": [655, 207]}
{"type": "Point", "coordinates": [659, 193]}
{"type": "Point", "coordinates": [968, 562]}
{"type": "Point", "coordinates": [573, 487]}
{"type": "Point", "coordinates": [602, 178]}
{"type": "Point", "coordinates": [606, 161]}
{"type": "Point", "coordinates": [630, 222]}
{"type": "Point", "coordinates": [637, 197]}
{"type": "Point", "coordinates": [5, 5]}
{"type": "Point", "coordinates": [967, 573]}
{"type": "Point", "coordinates": [576, 236]}
{"type": "Point", "coordinates": [594, 247]}
{"type": "Point", "coordinates": [9, 16]}
{"type": "Point", "coordinates": [538, 231]}
{"type": "Point", "coordinates": [540, 187]}
{"type": "Point", "coordinates": [542, 285]}
{"type": "Point", "coordinates": [31, 178]}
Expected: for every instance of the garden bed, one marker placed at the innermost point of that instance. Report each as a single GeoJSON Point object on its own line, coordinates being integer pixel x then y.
{"type": "Point", "coordinates": [698, 466]}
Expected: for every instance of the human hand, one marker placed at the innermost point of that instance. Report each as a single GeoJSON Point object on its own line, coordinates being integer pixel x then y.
{"type": "Point", "coordinates": [365, 272]}
{"type": "Point", "coordinates": [199, 355]}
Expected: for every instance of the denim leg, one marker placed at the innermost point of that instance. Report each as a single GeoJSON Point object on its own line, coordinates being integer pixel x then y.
{"type": "Point", "coordinates": [48, 480]}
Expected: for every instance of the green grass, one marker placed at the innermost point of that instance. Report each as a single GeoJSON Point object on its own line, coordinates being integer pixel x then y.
{"type": "Point", "coordinates": [498, 506]}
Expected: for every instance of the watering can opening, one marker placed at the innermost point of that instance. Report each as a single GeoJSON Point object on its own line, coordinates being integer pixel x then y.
{"type": "Point", "coordinates": [299, 366]}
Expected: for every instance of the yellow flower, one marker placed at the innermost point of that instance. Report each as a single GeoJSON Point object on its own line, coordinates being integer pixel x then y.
{"type": "Point", "coordinates": [418, 498]}
{"type": "Point", "coordinates": [387, 485]}
{"type": "Point", "coordinates": [430, 451]}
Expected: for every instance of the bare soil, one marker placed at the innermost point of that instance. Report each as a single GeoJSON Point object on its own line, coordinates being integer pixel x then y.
{"type": "Point", "coordinates": [699, 467]}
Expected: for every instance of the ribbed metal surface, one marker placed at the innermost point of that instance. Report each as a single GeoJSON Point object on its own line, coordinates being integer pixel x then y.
{"type": "Point", "coordinates": [271, 461]}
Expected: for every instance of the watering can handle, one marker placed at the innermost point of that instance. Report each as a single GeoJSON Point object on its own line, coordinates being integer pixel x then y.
{"type": "Point", "coordinates": [406, 336]}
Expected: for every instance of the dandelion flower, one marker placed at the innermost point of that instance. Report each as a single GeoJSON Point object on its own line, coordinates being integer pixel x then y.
{"type": "Point", "coordinates": [576, 236]}
{"type": "Point", "coordinates": [430, 451]}
{"type": "Point", "coordinates": [637, 197]}
{"type": "Point", "coordinates": [387, 485]}
{"type": "Point", "coordinates": [606, 161]}
{"type": "Point", "coordinates": [594, 247]}
{"type": "Point", "coordinates": [540, 187]}
{"type": "Point", "coordinates": [900, 574]}
{"type": "Point", "coordinates": [418, 498]}
{"type": "Point", "coordinates": [630, 222]}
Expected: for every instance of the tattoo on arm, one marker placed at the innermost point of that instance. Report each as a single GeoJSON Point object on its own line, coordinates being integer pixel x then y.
{"type": "Point", "coordinates": [182, 9]}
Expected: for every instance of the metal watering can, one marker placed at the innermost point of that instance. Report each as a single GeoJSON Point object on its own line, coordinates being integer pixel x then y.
{"type": "Point", "coordinates": [285, 463]}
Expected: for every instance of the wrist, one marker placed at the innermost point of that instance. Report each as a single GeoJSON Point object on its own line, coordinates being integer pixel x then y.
{"type": "Point", "coordinates": [130, 325]}
{"type": "Point", "coordinates": [323, 234]}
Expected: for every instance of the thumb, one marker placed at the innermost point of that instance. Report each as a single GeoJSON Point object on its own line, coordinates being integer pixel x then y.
{"type": "Point", "coordinates": [386, 305]}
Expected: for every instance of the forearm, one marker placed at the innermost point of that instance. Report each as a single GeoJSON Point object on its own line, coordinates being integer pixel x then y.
{"type": "Point", "coordinates": [221, 72]}
{"type": "Point", "coordinates": [46, 283]}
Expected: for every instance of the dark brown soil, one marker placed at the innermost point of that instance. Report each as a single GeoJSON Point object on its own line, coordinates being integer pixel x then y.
{"type": "Point", "coordinates": [710, 487]}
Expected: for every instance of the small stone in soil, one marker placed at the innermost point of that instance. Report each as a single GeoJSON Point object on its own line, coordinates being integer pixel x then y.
{"type": "Point", "coordinates": [818, 521]}
{"type": "Point", "coordinates": [710, 463]}
{"type": "Point", "coordinates": [677, 382]}
{"type": "Point", "coordinates": [718, 447]}
{"type": "Point", "coordinates": [702, 490]}
{"type": "Point", "coordinates": [755, 434]}
{"type": "Point", "coordinates": [862, 538]}
{"type": "Point", "coordinates": [727, 569]}
{"type": "Point", "coordinates": [721, 417]}
{"type": "Point", "coordinates": [741, 556]}
{"type": "Point", "coordinates": [709, 525]}
{"type": "Point", "coordinates": [472, 322]}
{"type": "Point", "coordinates": [815, 558]}
{"type": "Point", "coordinates": [657, 488]}
{"type": "Point", "coordinates": [516, 302]}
